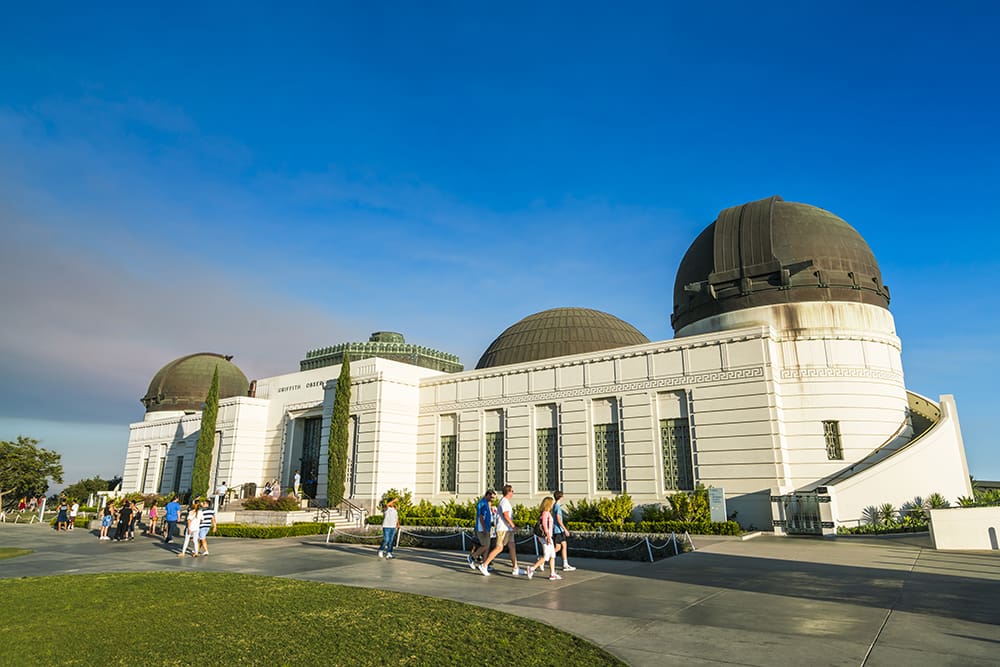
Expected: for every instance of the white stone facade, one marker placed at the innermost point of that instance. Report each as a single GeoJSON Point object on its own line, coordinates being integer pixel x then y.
{"type": "Point", "coordinates": [755, 396]}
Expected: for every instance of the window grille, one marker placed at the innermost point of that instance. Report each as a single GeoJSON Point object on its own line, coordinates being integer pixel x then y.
{"type": "Point", "coordinates": [448, 463]}
{"type": "Point", "coordinates": [607, 459]}
{"type": "Point", "coordinates": [548, 459]}
{"type": "Point", "coordinates": [494, 460]}
{"type": "Point", "coordinates": [834, 448]}
{"type": "Point", "coordinates": [675, 438]}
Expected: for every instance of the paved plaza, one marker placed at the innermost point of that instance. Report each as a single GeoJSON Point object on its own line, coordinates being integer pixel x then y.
{"type": "Point", "coordinates": [765, 601]}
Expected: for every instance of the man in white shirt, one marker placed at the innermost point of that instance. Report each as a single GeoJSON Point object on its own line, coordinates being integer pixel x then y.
{"type": "Point", "coordinates": [296, 483]}
{"type": "Point", "coordinates": [221, 494]}
{"type": "Point", "coordinates": [505, 533]}
{"type": "Point", "coordinates": [73, 511]}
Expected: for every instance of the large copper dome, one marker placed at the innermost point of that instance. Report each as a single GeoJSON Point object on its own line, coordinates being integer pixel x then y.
{"type": "Point", "coordinates": [183, 384]}
{"type": "Point", "coordinates": [559, 332]}
{"type": "Point", "coordinates": [774, 252]}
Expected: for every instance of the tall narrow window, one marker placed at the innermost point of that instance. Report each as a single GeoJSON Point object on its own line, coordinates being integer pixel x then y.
{"type": "Point", "coordinates": [606, 457]}
{"type": "Point", "coordinates": [309, 463]}
{"type": "Point", "coordinates": [547, 446]}
{"type": "Point", "coordinates": [178, 468]}
{"type": "Point", "coordinates": [449, 453]}
{"type": "Point", "coordinates": [352, 465]}
{"type": "Point", "coordinates": [834, 449]}
{"type": "Point", "coordinates": [548, 461]}
{"type": "Point", "coordinates": [607, 450]}
{"type": "Point", "coordinates": [675, 439]}
{"type": "Point", "coordinates": [448, 461]}
{"type": "Point", "coordinates": [493, 458]}
{"type": "Point", "coordinates": [142, 478]}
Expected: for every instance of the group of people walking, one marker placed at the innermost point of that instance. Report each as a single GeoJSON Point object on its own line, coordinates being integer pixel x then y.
{"type": "Point", "coordinates": [495, 531]}
{"type": "Point", "coordinates": [199, 521]}
{"type": "Point", "coordinates": [124, 516]}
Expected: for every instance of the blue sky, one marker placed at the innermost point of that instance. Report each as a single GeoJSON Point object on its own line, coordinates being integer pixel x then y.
{"type": "Point", "coordinates": [260, 181]}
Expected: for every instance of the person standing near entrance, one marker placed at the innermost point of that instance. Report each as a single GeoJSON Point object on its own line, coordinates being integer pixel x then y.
{"type": "Point", "coordinates": [172, 516]}
{"type": "Point", "coordinates": [296, 483]}
{"type": "Point", "coordinates": [390, 524]}
{"type": "Point", "coordinates": [221, 495]}
{"type": "Point", "coordinates": [559, 532]}
{"type": "Point", "coordinates": [505, 534]}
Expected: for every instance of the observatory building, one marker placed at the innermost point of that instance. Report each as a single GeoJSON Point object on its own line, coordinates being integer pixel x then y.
{"type": "Point", "coordinates": [783, 386]}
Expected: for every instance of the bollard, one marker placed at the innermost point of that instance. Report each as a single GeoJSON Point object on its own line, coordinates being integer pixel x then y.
{"type": "Point", "coordinates": [329, 531]}
{"type": "Point", "coordinates": [649, 549]}
{"type": "Point", "coordinates": [463, 541]}
{"type": "Point", "coordinates": [677, 549]}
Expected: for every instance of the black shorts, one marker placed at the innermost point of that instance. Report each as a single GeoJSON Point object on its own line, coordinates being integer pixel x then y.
{"type": "Point", "coordinates": [558, 538]}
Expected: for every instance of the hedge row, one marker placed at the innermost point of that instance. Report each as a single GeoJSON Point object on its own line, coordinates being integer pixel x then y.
{"type": "Point", "coordinates": [270, 532]}
{"type": "Point", "coordinates": [608, 545]}
{"type": "Point", "coordinates": [656, 527]}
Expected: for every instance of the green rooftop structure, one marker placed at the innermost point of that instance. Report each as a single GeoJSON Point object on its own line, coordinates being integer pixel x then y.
{"type": "Point", "coordinates": [385, 345]}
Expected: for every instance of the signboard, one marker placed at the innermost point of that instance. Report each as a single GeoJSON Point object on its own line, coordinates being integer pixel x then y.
{"type": "Point", "coordinates": [717, 503]}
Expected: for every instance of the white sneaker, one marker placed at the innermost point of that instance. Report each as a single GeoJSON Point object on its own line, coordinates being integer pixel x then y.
{"type": "Point", "coordinates": [380, 554]}
{"type": "Point", "coordinates": [389, 555]}
{"type": "Point", "coordinates": [554, 577]}
{"type": "Point", "coordinates": [531, 572]}
{"type": "Point", "coordinates": [472, 564]}
{"type": "Point", "coordinates": [568, 568]}
{"type": "Point", "coordinates": [516, 572]}
{"type": "Point", "coordinates": [485, 572]}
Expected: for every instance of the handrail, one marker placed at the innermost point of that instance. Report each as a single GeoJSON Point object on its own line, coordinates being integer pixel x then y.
{"type": "Point", "coordinates": [353, 512]}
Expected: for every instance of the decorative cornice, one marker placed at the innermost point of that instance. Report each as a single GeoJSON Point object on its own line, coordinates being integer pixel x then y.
{"type": "Point", "coordinates": [598, 390]}
{"type": "Point", "coordinates": [853, 372]}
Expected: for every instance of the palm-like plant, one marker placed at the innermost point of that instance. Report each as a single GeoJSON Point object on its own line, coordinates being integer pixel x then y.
{"type": "Point", "coordinates": [936, 501]}
{"type": "Point", "coordinates": [914, 510]}
{"type": "Point", "coordinates": [887, 513]}
{"type": "Point", "coordinates": [871, 516]}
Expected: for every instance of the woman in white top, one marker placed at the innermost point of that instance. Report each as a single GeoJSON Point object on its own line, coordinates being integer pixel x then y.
{"type": "Point", "coordinates": [191, 533]}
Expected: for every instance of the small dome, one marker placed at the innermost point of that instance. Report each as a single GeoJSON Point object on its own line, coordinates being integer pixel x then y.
{"type": "Point", "coordinates": [559, 332]}
{"type": "Point", "coordinates": [183, 384]}
{"type": "Point", "coordinates": [772, 252]}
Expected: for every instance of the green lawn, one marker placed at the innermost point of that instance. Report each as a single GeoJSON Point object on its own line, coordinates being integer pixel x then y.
{"type": "Point", "coordinates": [11, 552]}
{"type": "Point", "coordinates": [157, 618]}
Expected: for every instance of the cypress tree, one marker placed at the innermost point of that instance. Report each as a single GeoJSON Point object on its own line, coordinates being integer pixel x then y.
{"type": "Point", "coordinates": [339, 435]}
{"type": "Point", "coordinates": [206, 440]}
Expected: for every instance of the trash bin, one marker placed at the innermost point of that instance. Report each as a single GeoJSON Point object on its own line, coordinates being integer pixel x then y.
{"type": "Point", "coordinates": [249, 490]}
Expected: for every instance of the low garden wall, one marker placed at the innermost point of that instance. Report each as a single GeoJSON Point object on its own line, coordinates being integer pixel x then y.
{"type": "Point", "coordinates": [965, 528]}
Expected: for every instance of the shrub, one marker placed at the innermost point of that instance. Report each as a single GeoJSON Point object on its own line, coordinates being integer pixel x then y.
{"type": "Point", "coordinates": [524, 514]}
{"type": "Point", "coordinates": [453, 521]}
{"type": "Point", "coordinates": [615, 510]}
{"type": "Point", "coordinates": [404, 501]}
{"type": "Point", "coordinates": [583, 510]}
{"type": "Point", "coordinates": [269, 504]}
{"type": "Point", "coordinates": [270, 532]}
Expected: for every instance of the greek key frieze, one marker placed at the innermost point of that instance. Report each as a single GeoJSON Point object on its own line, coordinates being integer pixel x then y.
{"type": "Point", "coordinates": [598, 390]}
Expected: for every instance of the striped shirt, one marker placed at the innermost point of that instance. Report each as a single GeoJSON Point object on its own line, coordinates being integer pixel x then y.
{"type": "Point", "coordinates": [207, 516]}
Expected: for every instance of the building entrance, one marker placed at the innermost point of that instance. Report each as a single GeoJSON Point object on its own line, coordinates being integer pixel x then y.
{"type": "Point", "coordinates": [309, 463]}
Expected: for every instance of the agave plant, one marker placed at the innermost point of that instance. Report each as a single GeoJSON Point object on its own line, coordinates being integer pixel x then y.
{"type": "Point", "coordinates": [936, 501]}
{"type": "Point", "coordinates": [887, 513]}
{"type": "Point", "coordinates": [966, 501]}
{"type": "Point", "coordinates": [914, 509]}
{"type": "Point", "coordinates": [871, 516]}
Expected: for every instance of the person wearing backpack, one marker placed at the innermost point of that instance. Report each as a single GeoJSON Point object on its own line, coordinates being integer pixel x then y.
{"type": "Point", "coordinates": [484, 523]}
{"type": "Point", "coordinates": [543, 533]}
{"type": "Point", "coordinates": [560, 532]}
{"type": "Point", "coordinates": [505, 535]}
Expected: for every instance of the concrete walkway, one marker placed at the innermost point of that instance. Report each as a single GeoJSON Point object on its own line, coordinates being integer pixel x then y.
{"type": "Point", "coordinates": [767, 601]}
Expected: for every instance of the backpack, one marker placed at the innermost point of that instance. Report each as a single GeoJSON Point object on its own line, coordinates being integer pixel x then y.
{"type": "Point", "coordinates": [539, 529]}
